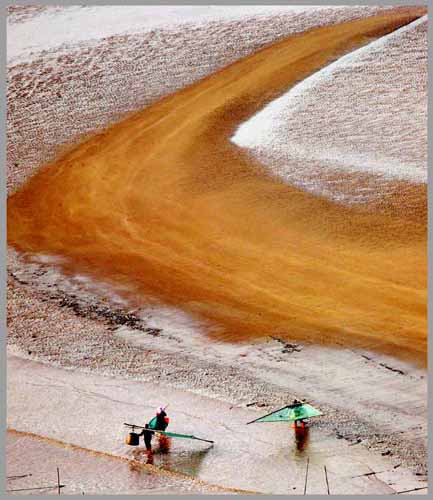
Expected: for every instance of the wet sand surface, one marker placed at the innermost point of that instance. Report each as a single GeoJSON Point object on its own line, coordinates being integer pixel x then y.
{"type": "Point", "coordinates": [65, 407]}
{"type": "Point", "coordinates": [165, 204]}
{"type": "Point", "coordinates": [46, 323]}
{"type": "Point", "coordinates": [83, 471]}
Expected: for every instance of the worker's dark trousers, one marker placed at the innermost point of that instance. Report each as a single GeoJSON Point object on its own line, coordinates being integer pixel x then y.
{"type": "Point", "coordinates": [148, 441]}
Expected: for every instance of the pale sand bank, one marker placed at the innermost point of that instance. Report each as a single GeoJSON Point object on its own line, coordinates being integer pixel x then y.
{"type": "Point", "coordinates": [363, 123]}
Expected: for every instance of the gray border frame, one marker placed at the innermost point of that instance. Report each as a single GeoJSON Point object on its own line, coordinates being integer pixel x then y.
{"type": "Point", "coordinates": [3, 248]}
{"type": "Point", "coordinates": [3, 284]}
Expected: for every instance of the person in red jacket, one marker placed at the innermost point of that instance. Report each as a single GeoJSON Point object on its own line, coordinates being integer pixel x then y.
{"type": "Point", "coordinates": [162, 419]}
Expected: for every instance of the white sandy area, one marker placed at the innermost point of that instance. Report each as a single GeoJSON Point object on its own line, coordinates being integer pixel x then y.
{"type": "Point", "coordinates": [366, 113]}
{"type": "Point", "coordinates": [74, 24]}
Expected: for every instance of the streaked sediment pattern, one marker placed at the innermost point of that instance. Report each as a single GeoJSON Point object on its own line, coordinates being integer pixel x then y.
{"type": "Point", "coordinates": [165, 203]}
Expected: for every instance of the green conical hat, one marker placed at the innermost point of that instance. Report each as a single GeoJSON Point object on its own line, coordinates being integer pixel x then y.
{"type": "Point", "coordinates": [290, 413]}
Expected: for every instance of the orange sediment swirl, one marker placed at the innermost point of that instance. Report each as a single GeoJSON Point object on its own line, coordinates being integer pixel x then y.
{"type": "Point", "coordinates": [164, 202]}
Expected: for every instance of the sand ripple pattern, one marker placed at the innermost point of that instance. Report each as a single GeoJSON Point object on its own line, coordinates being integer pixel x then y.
{"type": "Point", "coordinates": [165, 203]}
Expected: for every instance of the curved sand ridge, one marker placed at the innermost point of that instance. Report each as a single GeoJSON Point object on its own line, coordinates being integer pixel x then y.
{"type": "Point", "coordinates": [165, 203]}
{"type": "Point", "coordinates": [365, 123]}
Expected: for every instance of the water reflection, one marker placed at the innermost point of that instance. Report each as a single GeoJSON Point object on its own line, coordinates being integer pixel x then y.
{"type": "Point", "coordinates": [164, 444]}
{"type": "Point", "coordinates": [188, 461]}
{"type": "Point", "coordinates": [302, 437]}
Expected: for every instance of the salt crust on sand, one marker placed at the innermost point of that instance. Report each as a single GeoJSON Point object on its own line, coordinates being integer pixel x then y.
{"type": "Point", "coordinates": [366, 113]}
{"type": "Point", "coordinates": [79, 23]}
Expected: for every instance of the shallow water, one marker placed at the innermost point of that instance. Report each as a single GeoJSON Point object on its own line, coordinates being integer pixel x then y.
{"type": "Point", "coordinates": [82, 471]}
{"type": "Point", "coordinates": [81, 418]}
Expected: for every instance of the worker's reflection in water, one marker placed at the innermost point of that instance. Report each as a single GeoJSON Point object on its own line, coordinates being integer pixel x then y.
{"type": "Point", "coordinates": [301, 436]}
{"type": "Point", "coordinates": [149, 458]}
{"type": "Point", "coordinates": [164, 443]}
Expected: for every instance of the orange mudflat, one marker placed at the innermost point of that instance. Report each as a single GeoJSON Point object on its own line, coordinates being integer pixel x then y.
{"type": "Point", "coordinates": [165, 203]}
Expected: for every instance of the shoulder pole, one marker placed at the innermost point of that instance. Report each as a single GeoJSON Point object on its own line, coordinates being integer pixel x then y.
{"type": "Point", "coordinates": [267, 415]}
